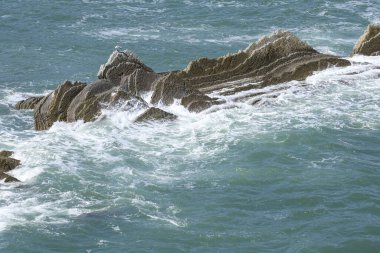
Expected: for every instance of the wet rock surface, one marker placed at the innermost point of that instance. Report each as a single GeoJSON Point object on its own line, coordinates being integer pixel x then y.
{"type": "Point", "coordinates": [155, 114]}
{"type": "Point", "coordinates": [369, 42]}
{"type": "Point", "coordinates": [50, 108]}
{"type": "Point", "coordinates": [7, 164]}
{"type": "Point", "coordinates": [119, 65]}
{"type": "Point", "coordinates": [29, 103]}
{"type": "Point", "coordinates": [123, 80]}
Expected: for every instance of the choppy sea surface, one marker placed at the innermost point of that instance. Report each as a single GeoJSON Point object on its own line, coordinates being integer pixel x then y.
{"type": "Point", "coordinates": [298, 173]}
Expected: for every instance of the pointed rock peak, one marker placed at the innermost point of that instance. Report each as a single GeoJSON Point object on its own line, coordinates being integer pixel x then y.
{"type": "Point", "coordinates": [155, 114]}
{"type": "Point", "coordinates": [117, 58]}
{"type": "Point", "coordinates": [288, 40]}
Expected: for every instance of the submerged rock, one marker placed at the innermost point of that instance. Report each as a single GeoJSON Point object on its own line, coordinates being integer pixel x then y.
{"type": "Point", "coordinates": [155, 114]}
{"type": "Point", "coordinates": [7, 164]}
{"type": "Point", "coordinates": [197, 101]}
{"type": "Point", "coordinates": [369, 42]}
{"type": "Point", "coordinates": [29, 103]}
{"type": "Point", "coordinates": [7, 178]}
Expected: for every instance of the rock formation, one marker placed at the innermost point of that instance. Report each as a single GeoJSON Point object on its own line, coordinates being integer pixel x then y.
{"type": "Point", "coordinates": [155, 114]}
{"type": "Point", "coordinates": [53, 107]}
{"type": "Point", "coordinates": [7, 164]}
{"type": "Point", "coordinates": [278, 58]}
{"type": "Point", "coordinates": [369, 42]}
{"type": "Point", "coordinates": [29, 103]}
{"type": "Point", "coordinates": [123, 79]}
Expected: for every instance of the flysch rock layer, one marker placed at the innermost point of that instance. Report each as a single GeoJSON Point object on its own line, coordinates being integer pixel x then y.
{"type": "Point", "coordinates": [275, 59]}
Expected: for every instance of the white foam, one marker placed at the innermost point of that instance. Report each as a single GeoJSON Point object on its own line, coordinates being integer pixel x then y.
{"type": "Point", "coordinates": [171, 221]}
{"type": "Point", "coordinates": [25, 174]}
{"type": "Point", "coordinates": [116, 228]}
{"type": "Point", "coordinates": [20, 209]}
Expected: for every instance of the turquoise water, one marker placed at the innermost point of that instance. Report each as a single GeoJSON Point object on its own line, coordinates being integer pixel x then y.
{"type": "Point", "coordinates": [299, 173]}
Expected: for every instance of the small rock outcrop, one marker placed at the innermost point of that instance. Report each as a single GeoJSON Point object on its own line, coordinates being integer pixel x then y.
{"type": "Point", "coordinates": [29, 103]}
{"type": "Point", "coordinates": [155, 114]}
{"type": "Point", "coordinates": [6, 153]}
{"type": "Point", "coordinates": [7, 164]}
{"type": "Point", "coordinates": [7, 178]}
{"type": "Point", "coordinates": [369, 43]}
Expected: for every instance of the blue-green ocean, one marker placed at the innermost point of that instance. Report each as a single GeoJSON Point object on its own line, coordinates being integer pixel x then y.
{"type": "Point", "coordinates": [296, 173]}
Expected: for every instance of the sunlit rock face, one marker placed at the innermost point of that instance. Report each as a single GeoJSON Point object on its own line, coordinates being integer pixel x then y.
{"type": "Point", "coordinates": [369, 42]}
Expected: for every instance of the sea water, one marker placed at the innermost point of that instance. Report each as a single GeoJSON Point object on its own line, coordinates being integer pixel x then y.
{"type": "Point", "coordinates": [296, 173]}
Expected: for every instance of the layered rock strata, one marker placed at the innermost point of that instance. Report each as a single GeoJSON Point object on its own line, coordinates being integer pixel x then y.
{"type": "Point", "coordinates": [28, 103]}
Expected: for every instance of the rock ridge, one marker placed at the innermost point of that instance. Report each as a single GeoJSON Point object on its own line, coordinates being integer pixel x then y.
{"type": "Point", "coordinates": [278, 58]}
{"type": "Point", "coordinates": [7, 164]}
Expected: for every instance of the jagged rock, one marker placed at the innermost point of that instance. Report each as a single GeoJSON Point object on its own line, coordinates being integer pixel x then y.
{"type": "Point", "coordinates": [139, 81]}
{"type": "Point", "coordinates": [120, 64]}
{"type": "Point", "coordinates": [6, 164]}
{"type": "Point", "coordinates": [280, 57]}
{"type": "Point", "coordinates": [88, 103]}
{"type": "Point", "coordinates": [66, 99]}
{"type": "Point", "coordinates": [28, 103]}
{"type": "Point", "coordinates": [85, 104]}
{"type": "Point", "coordinates": [6, 153]}
{"type": "Point", "coordinates": [74, 101]}
{"type": "Point", "coordinates": [197, 101]}
{"type": "Point", "coordinates": [50, 108]}
{"type": "Point", "coordinates": [168, 88]}
{"type": "Point", "coordinates": [7, 178]}
{"type": "Point", "coordinates": [302, 68]}
{"type": "Point", "coordinates": [155, 114]}
{"type": "Point", "coordinates": [369, 42]}
{"type": "Point", "coordinates": [266, 51]}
